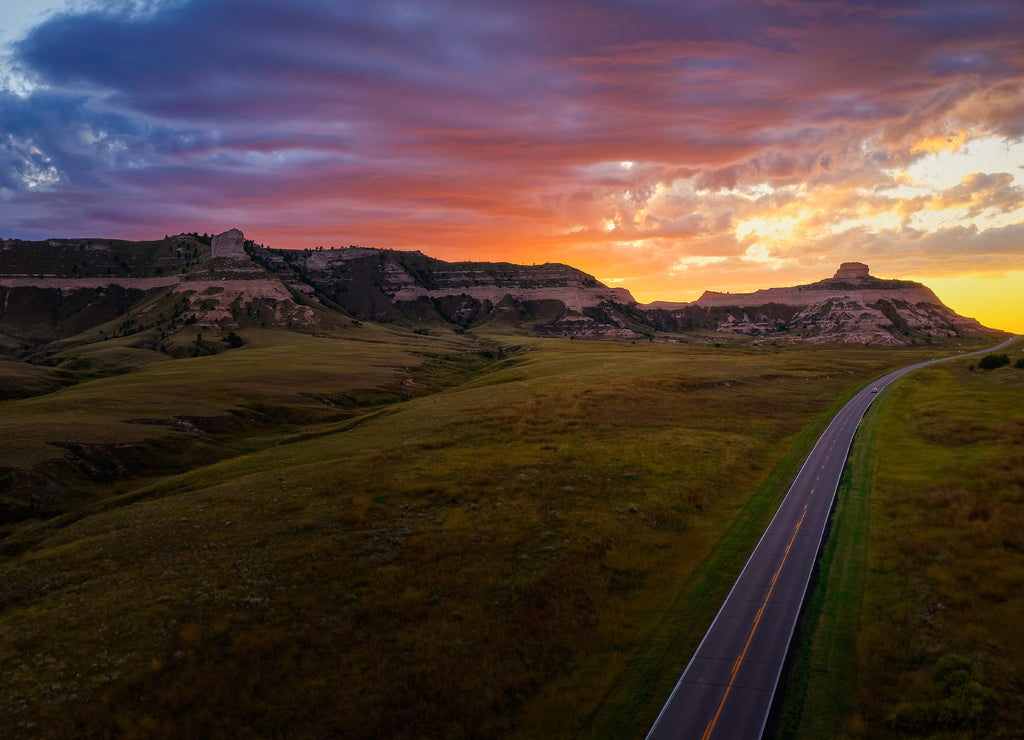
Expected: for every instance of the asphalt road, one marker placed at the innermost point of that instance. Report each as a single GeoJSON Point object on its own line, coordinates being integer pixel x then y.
{"type": "Point", "coordinates": [727, 689]}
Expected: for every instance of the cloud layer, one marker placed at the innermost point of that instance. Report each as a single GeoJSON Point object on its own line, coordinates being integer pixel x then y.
{"type": "Point", "coordinates": [646, 141]}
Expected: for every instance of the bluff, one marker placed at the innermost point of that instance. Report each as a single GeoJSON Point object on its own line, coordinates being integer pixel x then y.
{"type": "Point", "coordinates": [393, 285]}
{"type": "Point", "coordinates": [168, 290]}
{"type": "Point", "coordinates": [83, 290]}
{"type": "Point", "coordinates": [851, 279]}
{"type": "Point", "coordinates": [852, 307]}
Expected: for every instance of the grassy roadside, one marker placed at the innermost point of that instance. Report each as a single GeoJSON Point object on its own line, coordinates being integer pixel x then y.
{"type": "Point", "coordinates": [913, 631]}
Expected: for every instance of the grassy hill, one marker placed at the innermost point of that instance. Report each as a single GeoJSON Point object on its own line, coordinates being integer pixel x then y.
{"type": "Point", "coordinates": [377, 532]}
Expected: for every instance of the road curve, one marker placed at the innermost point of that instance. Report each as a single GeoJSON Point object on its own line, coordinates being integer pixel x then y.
{"type": "Point", "coordinates": [727, 688]}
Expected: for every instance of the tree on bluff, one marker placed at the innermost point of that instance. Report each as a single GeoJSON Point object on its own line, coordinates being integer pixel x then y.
{"type": "Point", "coordinates": [991, 362]}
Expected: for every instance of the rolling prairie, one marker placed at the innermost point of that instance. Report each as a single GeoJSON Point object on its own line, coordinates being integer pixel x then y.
{"type": "Point", "coordinates": [385, 533]}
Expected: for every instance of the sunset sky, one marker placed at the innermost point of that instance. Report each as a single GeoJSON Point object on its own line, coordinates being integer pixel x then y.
{"type": "Point", "coordinates": [664, 147]}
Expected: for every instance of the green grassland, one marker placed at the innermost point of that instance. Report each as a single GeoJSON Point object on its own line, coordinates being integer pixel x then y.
{"type": "Point", "coordinates": [915, 631]}
{"type": "Point", "coordinates": [166, 412]}
{"type": "Point", "coordinates": [377, 533]}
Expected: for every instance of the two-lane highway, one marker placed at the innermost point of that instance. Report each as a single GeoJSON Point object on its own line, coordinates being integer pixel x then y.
{"type": "Point", "coordinates": [727, 689]}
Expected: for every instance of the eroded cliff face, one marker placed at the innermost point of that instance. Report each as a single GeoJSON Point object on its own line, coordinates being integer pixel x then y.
{"type": "Point", "coordinates": [385, 285]}
{"type": "Point", "coordinates": [58, 288]}
{"type": "Point", "coordinates": [851, 307]}
{"type": "Point", "coordinates": [865, 288]}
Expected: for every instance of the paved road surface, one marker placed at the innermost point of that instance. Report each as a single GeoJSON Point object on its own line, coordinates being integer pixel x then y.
{"type": "Point", "coordinates": [727, 689]}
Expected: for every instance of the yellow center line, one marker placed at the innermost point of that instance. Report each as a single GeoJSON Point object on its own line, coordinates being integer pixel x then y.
{"type": "Point", "coordinates": [757, 620]}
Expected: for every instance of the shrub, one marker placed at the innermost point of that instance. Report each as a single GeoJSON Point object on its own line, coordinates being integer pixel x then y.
{"type": "Point", "coordinates": [1019, 364]}
{"type": "Point", "coordinates": [991, 362]}
{"type": "Point", "coordinates": [964, 704]}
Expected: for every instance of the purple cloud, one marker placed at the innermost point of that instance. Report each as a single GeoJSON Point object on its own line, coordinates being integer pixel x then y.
{"type": "Point", "coordinates": [452, 125]}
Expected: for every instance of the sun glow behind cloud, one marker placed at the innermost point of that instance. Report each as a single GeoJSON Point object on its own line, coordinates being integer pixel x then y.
{"type": "Point", "coordinates": [941, 189]}
{"type": "Point", "coordinates": [971, 188]}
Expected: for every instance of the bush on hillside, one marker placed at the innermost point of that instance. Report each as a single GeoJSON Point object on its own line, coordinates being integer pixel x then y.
{"type": "Point", "coordinates": [963, 705]}
{"type": "Point", "coordinates": [991, 362]}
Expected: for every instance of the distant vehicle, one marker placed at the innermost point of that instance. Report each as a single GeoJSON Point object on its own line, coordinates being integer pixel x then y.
{"type": "Point", "coordinates": [874, 390]}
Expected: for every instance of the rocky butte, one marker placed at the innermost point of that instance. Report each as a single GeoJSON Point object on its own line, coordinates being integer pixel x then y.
{"type": "Point", "coordinates": [850, 307]}
{"type": "Point", "coordinates": [852, 278]}
{"type": "Point", "coordinates": [394, 285]}
{"type": "Point", "coordinates": [227, 282]}
{"type": "Point", "coordinates": [554, 299]}
{"type": "Point", "coordinates": [95, 287]}
{"type": "Point", "coordinates": [229, 245]}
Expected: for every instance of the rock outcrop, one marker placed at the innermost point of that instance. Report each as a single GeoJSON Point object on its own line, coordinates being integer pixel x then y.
{"type": "Point", "coordinates": [852, 271]}
{"type": "Point", "coordinates": [63, 287]}
{"type": "Point", "coordinates": [852, 278]}
{"type": "Point", "coordinates": [851, 307]}
{"type": "Point", "coordinates": [229, 245]}
{"type": "Point", "coordinates": [389, 285]}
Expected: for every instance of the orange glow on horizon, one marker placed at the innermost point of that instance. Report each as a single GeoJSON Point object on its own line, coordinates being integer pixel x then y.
{"type": "Point", "coordinates": [996, 301]}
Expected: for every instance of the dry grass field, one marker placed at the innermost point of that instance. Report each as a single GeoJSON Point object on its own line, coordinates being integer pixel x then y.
{"type": "Point", "coordinates": [385, 534]}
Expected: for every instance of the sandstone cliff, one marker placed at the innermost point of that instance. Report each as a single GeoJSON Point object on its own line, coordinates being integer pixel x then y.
{"type": "Point", "coordinates": [229, 245]}
{"type": "Point", "coordinates": [851, 307]}
{"type": "Point", "coordinates": [62, 287]}
{"type": "Point", "coordinates": [852, 278]}
{"type": "Point", "coordinates": [387, 285]}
